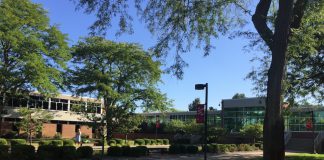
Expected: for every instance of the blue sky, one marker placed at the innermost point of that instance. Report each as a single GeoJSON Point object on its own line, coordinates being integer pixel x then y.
{"type": "Point", "coordinates": [224, 70]}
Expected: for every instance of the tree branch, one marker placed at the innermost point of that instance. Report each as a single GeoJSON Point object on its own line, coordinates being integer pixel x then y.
{"type": "Point", "coordinates": [259, 20]}
{"type": "Point", "coordinates": [298, 13]}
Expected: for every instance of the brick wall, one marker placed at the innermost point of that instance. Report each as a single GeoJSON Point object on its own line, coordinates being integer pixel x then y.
{"type": "Point", "coordinates": [68, 130]}
{"type": "Point", "coordinates": [86, 130]}
{"type": "Point", "coordinates": [49, 130]}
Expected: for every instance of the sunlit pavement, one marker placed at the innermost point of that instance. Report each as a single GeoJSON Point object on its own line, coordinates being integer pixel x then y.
{"type": "Point", "coordinates": [226, 156]}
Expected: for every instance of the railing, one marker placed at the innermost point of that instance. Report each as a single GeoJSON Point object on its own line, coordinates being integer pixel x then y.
{"type": "Point", "coordinates": [318, 140]}
{"type": "Point", "coordinates": [287, 137]}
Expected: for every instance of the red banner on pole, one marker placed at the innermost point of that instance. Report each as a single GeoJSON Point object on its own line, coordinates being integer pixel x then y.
{"type": "Point", "coordinates": [200, 113]}
{"type": "Point", "coordinates": [157, 124]}
{"type": "Point", "coordinates": [309, 124]}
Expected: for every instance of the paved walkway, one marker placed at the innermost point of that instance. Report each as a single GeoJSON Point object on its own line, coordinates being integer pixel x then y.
{"type": "Point", "coordinates": [226, 156]}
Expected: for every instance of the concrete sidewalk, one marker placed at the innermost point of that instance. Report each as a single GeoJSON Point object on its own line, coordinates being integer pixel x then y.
{"type": "Point", "coordinates": [225, 156]}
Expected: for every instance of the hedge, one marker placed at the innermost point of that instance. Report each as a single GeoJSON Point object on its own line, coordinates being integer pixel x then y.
{"type": "Point", "coordinates": [192, 149]}
{"type": "Point", "coordinates": [67, 152]}
{"type": "Point", "coordinates": [3, 141]}
{"type": "Point", "coordinates": [177, 149]}
{"type": "Point", "coordinates": [84, 152]}
{"type": "Point", "coordinates": [4, 152]}
{"type": "Point", "coordinates": [126, 150]}
{"type": "Point", "coordinates": [115, 151]}
{"type": "Point", "coordinates": [112, 142]}
{"type": "Point", "coordinates": [48, 152]}
{"type": "Point", "coordinates": [140, 142]}
{"type": "Point", "coordinates": [153, 142]}
{"type": "Point", "coordinates": [223, 148]}
{"type": "Point", "coordinates": [17, 142]}
{"type": "Point", "coordinates": [119, 141]}
{"type": "Point", "coordinates": [57, 142]}
{"type": "Point", "coordinates": [44, 142]}
{"type": "Point", "coordinates": [165, 141]}
{"type": "Point", "coordinates": [68, 142]}
{"type": "Point", "coordinates": [139, 151]}
{"type": "Point", "coordinates": [148, 141]}
{"type": "Point", "coordinates": [159, 141]}
{"type": "Point", "coordinates": [23, 152]}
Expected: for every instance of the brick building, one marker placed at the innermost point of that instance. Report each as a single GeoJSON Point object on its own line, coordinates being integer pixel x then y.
{"type": "Point", "coordinates": [66, 121]}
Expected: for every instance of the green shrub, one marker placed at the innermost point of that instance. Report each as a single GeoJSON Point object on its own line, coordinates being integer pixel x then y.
{"type": "Point", "coordinates": [23, 152]}
{"type": "Point", "coordinates": [140, 142]}
{"type": "Point", "coordinates": [126, 150]}
{"type": "Point", "coordinates": [259, 146]}
{"type": "Point", "coordinates": [222, 148]}
{"type": "Point", "coordinates": [58, 136]}
{"type": "Point", "coordinates": [85, 152]}
{"type": "Point", "coordinates": [57, 142]}
{"type": "Point", "coordinates": [192, 149]}
{"type": "Point", "coordinates": [68, 153]}
{"type": "Point", "coordinates": [4, 152]}
{"type": "Point", "coordinates": [14, 142]}
{"type": "Point", "coordinates": [174, 149]}
{"type": "Point", "coordinates": [148, 141]}
{"type": "Point", "coordinates": [3, 141]}
{"type": "Point", "coordinates": [48, 152]}
{"type": "Point", "coordinates": [115, 151]}
{"type": "Point", "coordinates": [153, 142]}
{"type": "Point", "coordinates": [159, 141]}
{"type": "Point", "coordinates": [45, 142]}
{"type": "Point", "coordinates": [68, 142]}
{"type": "Point", "coordinates": [232, 147]}
{"type": "Point", "coordinates": [112, 142]}
{"type": "Point", "coordinates": [120, 141]}
{"type": "Point", "coordinates": [165, 141]}
{"type": "Point", "coordinates": [138, 151]}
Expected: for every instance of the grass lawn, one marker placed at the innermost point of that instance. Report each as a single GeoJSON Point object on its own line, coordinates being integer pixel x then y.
{"type": "Point", "coordinates": [302, 156]}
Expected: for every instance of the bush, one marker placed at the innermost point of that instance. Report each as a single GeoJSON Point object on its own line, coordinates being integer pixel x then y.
{"type": "Point", "coordinates": [44, 142]}
{"type": "Point", "coordinates": [120, 141]}
{"type": "Point", "coordinates": [192, 149]}
{"type": "Point", "coordinates": [153, 142]}
{"type": "Point", "coordinates": [3, 141]}
{"type": "Point", "coordinates": [148, 141]}
{"type": "Point", "coordinates": [232, 147]}
{"type": "Point", "coordinates": [23, 152]}
{"type": "Point", "coordinates": [14, 142]}
{"type": "Point", "coordinates": [10, 135]}
{"type": "Point", "coordinates": [99, 142]}
{"type": "Point", "coordinates": [177, 149]}
{"type": "Point", "coordinates": [182, 141]}
{"type": "Point", "coordinates": [112, 142]}
{"type": "Point", "coordinates": [115, 151]}
{"type": "Point", "coordinates": [140, 142]}
{"type": "Point", "coordinates": [126, 150]}
{"type": "Point", "coordinates": [4, 152]}
{"type": "Point", "coordinates": [84, 152]}
{"type": "Point", "coordinates": [48, 152]}
{"type": "Point", "coordinates": [138, 151]}
{"type": "Point", "coordinates": [68, 142]}
{"type": "Point", "coordinates": [159, 141]}
{"type": "Point", "coordinates": [58, 136]}
{"type": "Point", "coordinates": [165, 141]}
{"type": "Point", "coordinates": [67, 152]}
{"type": "Point", "coordinates": [57, 142]}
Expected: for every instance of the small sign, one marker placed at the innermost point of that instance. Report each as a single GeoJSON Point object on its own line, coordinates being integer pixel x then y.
{"type": "Point", "coordinates": [157, 125]}
{"type": "Point", "coordinates": [200, 113]}
{"type": "Point", "coordinates": [309, 124]}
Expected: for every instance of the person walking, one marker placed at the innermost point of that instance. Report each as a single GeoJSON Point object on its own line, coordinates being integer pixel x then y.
{"type": "Point", "coordinates": [78, 137]}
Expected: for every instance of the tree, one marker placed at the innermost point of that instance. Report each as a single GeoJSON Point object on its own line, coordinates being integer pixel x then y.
{"type": "Point", "coordinates": [32, 121]}
{"type": "Point", "coordinates": [304, 77]}
{"type": "Point", "coordinates": [252, 130]}
{"type": "Point", "coordinates": [130, 124]}
{"type": "Point", "coordinates": [180, 23]}
{"type": "Point", "coordinates": [193, 106]}
{"type": "Point", "coordinates": [32, 52]}
{"type": "Point", "coordinates": [122, 74]}
{"type": "Point", "coordinates": [239, 96]}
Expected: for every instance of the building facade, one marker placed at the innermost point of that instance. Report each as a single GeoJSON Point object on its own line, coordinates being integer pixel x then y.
{"type": "Point", "coordinates": [64, 108]}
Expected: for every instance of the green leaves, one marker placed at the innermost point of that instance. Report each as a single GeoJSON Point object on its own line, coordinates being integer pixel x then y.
{"type": "Point", "coordinates": [32, 52]}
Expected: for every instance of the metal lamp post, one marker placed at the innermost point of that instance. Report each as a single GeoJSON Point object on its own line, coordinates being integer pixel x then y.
{"type": "Point", "coordinates": [201, 87]}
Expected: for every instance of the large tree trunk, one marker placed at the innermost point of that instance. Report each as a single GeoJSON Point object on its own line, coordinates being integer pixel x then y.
{"type": "Point", "coordinates": [274, 148]}
{"type": "Point", "coordinates": [2, 105]}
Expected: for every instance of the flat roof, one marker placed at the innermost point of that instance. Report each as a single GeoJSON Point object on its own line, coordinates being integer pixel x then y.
{"type": "Point", "coordinates": [244, 102]}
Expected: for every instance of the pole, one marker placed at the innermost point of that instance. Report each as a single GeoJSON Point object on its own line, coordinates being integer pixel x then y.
{"type": "Point", "coordinates": [206, 118]}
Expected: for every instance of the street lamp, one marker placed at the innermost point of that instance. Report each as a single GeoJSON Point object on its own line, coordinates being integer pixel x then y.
{"type": "Point", "coordinates": [201, 87]}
